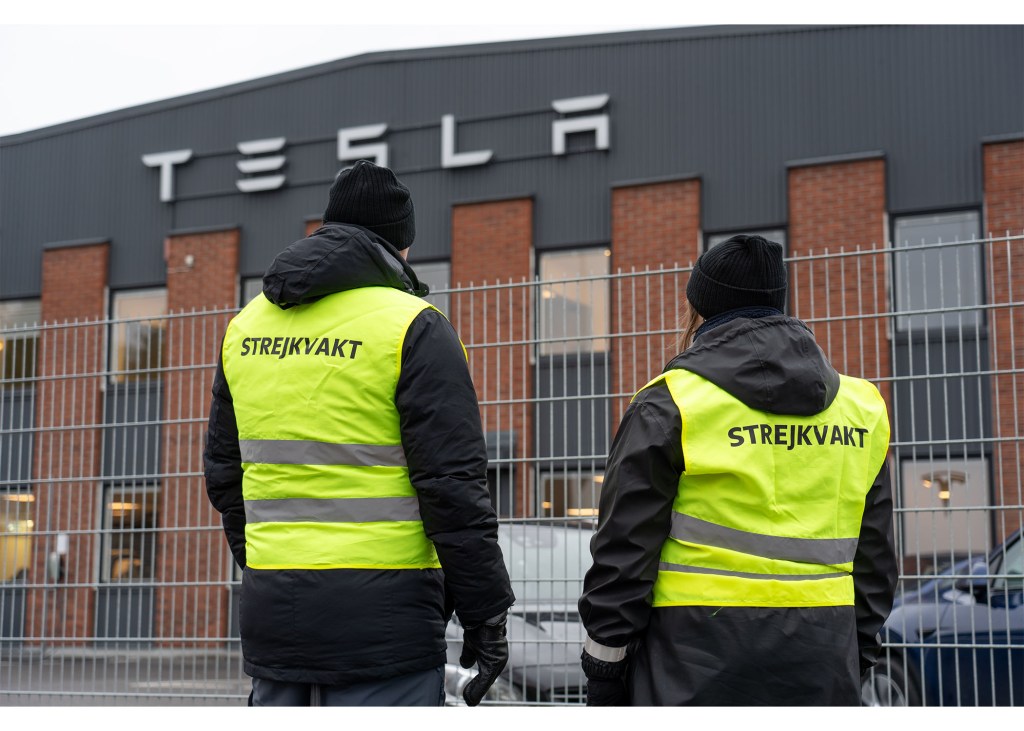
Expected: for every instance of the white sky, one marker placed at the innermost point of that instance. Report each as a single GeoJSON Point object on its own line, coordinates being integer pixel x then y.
{"type": "Point", "coordinates": [106, 55]}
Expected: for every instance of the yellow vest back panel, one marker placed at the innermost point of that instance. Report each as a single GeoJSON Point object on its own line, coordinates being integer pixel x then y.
{"type": "Point", "coordinates": [769, 507]}
{"type": "Point", "coordinates": [325, 480]}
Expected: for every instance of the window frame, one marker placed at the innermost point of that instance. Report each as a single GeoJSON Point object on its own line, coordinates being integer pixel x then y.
{"type": "Point", "coordinates": [441, 297]}
{"type": "Point", "coordinates": [246, 281]}
{"type": "Point", "coordinates": [546, 507]}
{"type": "Point", "coordinates": [753, 231]}
{"type": "Point", "coordinates": [12, 339]}
{"type": "Point", "coordinates": [121, 374]}
{"type": "Point", "coordinates": [148, 540]}
{"type": "Point", "coordinates": [599, 342]}
{"type": "Point", "coordinates": [902, 326]}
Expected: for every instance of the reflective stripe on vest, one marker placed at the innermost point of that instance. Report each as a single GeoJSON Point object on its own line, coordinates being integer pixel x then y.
{"type": "Point", "coordinates": [805, 550]}
{"type": "Point", "coordinates": [325, 479]}
{"type": "Point", "coordinates": [294, 451]}
{"type": "Point", "coordinates": [345, 510]}
{"type": "Point", "coordinates": [769, 508]}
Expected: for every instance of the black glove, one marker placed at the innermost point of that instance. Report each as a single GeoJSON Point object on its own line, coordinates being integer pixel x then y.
{"type": "Point", "coordinates": [606, 681]}
{"type": "Point", "coordinates": [484, 645]}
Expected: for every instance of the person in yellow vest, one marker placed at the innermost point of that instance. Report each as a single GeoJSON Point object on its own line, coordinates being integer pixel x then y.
{"type": "Point", "coordinates": [346, 457]}
{"type": "Point", "coordinates": [744, 552]}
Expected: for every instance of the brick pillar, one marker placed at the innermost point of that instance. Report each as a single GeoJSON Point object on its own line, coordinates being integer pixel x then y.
{"type": "Point", "coordinates": [202, 275]}
{"type": "Point", "coordinates": [493, 242]}
{"type": "Point", "coordinates": [654, 226]}
{"type": "Point", "coordinates": [1004, 219]}
{"type": "Point", "coordinates": [67, 444]}
{"type": "Point", "coordinates": [839, 207]}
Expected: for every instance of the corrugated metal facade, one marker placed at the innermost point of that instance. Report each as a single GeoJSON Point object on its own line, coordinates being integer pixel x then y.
{"type": "Point", "coordinates": [733, 105]}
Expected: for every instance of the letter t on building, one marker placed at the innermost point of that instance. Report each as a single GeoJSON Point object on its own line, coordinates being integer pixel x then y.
{"type": "Point", "coordinates": [166, 162]}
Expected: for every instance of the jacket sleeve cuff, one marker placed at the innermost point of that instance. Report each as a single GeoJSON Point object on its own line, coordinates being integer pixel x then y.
{"type": "Point", "coordinates": [602, 652]}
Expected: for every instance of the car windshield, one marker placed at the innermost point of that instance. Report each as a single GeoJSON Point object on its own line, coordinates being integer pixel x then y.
{"type": "Point", "coordinates": [1011, 567]}
{"type": "Point", "coordinates": [546, 561]}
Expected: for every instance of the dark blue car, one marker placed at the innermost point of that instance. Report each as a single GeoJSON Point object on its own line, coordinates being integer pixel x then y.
{"type": "Point", "coordinates": [958, 639]}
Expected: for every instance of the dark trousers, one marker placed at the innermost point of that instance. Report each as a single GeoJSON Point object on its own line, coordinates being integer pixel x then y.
{"type": "Point", "coordinates": [424, 688]}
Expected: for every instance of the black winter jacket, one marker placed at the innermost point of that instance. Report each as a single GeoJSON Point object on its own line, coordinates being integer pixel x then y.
{"type": "Point", "coordinates": [729, 655]}
{"type": "Point", "coordinates": [342, 626]}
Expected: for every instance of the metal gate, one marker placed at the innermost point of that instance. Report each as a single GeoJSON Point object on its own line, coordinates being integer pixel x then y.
{"type": "Point", "coordinates": [118, 588]}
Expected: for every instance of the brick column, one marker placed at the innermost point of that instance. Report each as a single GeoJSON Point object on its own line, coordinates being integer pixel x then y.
{"type": "Point", "coordinates": [492, 242]}
{"type": "Point", "coordinates": [202, 275]}
{"type": "Point", "coordinates": [1004, 218]}
{"type": "Point", "coordinates": [68, 445]}
{"type": "Point", "coordinates": [838, 207]}
{"type": "Point", "coordinates": [654, 225]}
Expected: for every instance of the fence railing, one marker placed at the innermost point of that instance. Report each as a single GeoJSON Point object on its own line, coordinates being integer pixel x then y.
{"type": "Point", "coordinates": [118, 588]}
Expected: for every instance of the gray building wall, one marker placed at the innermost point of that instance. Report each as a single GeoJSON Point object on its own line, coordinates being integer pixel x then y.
{"type": "Point", "coordinates": [732, 104]}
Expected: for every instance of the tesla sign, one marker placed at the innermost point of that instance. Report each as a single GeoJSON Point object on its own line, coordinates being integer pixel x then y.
{"type": "Point", "coordinates": [262, 162]}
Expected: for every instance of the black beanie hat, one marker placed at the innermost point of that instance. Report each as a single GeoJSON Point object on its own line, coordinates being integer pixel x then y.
{"type": "Point", "coordinates": [743, 271]}
{"type": "Point", "coordinates": [371, 196]}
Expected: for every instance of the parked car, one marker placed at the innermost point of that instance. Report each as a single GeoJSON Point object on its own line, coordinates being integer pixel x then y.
{"type": "Point", "coordinates": [546, 562]}
{"type": "Point", "coordinates": [958, 639]}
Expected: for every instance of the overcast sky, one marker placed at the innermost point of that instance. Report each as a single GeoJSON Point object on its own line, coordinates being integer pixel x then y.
{"type": "Point", "coordinates": [105, 55]}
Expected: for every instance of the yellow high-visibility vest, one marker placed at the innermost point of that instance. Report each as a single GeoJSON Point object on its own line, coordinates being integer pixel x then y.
{"type": "Point", "coordinates": [768, 510]}
{"type": "Point", "coordinates": [325, 480]}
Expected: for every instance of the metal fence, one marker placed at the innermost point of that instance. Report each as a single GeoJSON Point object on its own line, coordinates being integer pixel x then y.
{"type": "Point", "coordinates": [118, 588]}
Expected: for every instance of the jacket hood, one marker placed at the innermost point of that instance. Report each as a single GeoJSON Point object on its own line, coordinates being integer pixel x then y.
{"type": "Point", "coordinates": [770, 363]}
{"type": "Point", "coordinates": [335, 258]}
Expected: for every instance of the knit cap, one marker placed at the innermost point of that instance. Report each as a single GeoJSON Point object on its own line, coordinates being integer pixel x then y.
{"type": "Point", "coordinates": [372, 197]}
{"type": "Point", "coordinates": [743, 271]}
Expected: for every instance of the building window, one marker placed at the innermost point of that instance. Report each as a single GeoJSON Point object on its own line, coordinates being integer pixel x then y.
{"type": "Point", "coordinates": [137, 337]}
{"type": "Point", "coordinates": [946, 510]}
{"type": "Point", "coordinates": [251, 286]}
{"type": "Point", "coordinates": [17, 525]}
{"type": "Point", "coordinates": [777, 235]}
{"type": "Point", "coordinates": [935, 278]}
{"type": "Point", "coordinates": [574, 309]}
{"type": "Point", "coordinates": [129, 529]}
{"type": "Point", "coordinates": [19, 342]}
{"type": "Point", "coordinates": [566, 494]}
{"type": "Point", "coordinates": [437, 276]}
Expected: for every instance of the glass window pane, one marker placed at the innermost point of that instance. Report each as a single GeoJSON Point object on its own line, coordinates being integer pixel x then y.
{"type": "Point", "coordinates": [777, 235]}
{"type": "Point", "coordinates": [437, 276]}
{"type": "Point", "coordinates": [938, 278]}
{"type": "Point", "coordinates": [17, 525]}
{"type": "Point", "coordinates": [571, 494]}
{"type": "Point", "coordinates": [251, 286]}
{"type": "Point", "coordinates": [19, 342]}
{"type": "Point", "coordinates": [1012, 565]}
{"type": "Point", "coordinates": [574, 314]}
{"type": "Point", "coordinates": [947, 506]}
{"type": "Point", "coordinates": [137, 339]}
{"type": "Point", "coordinates": [129, 525]}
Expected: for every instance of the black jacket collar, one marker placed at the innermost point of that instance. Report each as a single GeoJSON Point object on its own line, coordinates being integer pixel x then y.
{"type": "Point", "coordinates": [769, 363]}
{"type": "Point", "coordinates": [335, 258]}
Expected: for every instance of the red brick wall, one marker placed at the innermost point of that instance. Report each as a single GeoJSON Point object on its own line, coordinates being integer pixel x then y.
{"type": "Point", "coordinates": [207, 281]}
{"type": "Point", "coordinates": [1004, 214]}
{"type": "Point", "coordinates": [67, 448]}
{"type": "Point", "coordinates": [493, 242]}
{"type": "Point", "coordinates": [654, 225]}
{"type": "Point", "coordinates": [841, 207]}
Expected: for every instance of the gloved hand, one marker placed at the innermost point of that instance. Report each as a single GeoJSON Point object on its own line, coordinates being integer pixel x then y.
{"type": "Point", "coordinates": [484, 645]}
{"type": "Point", "coordinates": [606, 681]}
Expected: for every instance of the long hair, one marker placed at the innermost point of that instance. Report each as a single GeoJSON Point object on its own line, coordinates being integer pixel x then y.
{"type": "Point", "coordinates": [688, 324]}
